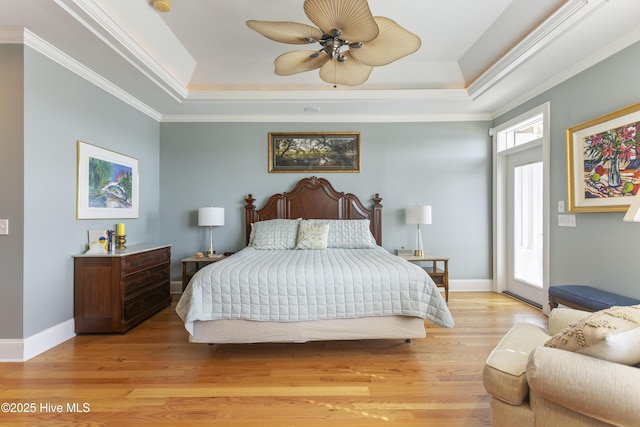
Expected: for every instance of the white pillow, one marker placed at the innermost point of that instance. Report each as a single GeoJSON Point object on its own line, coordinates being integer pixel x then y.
{"type": "Point", "coordinates": [612, 334]}
{"type": "Point", "coordinates": [349, 234]}
{"type": "Point", "coordinates": [274, 234]}
{"type": "Point", "coordinates": [312, 235]}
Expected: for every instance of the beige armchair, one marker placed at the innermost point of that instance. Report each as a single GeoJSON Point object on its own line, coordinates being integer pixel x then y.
{"type": "Point", "coordinates": [533, 385]}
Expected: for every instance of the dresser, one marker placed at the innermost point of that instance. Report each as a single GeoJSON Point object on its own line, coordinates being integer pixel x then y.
{"type": "Point", "coordinates": [115, 291]}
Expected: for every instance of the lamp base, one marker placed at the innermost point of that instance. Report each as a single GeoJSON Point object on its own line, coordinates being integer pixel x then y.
{"type": "Point", "coordinates": [418, 252]}
{"type": "Point", "coordinates": [211, 252]}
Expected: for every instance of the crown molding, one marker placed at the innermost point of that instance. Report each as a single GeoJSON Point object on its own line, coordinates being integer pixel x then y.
{"type": "Point", "coordinates": [92, 17]}
{"type": "Point", "coordinates": [11, 35]}
{"type": "Point", "coordinates": [323, 118]}
{"type": "Point", "coordinates": [588, 62]}
{"type": "Point", "coordinates": [41, 46]}
{"type": "Point", "coordinates": [549, 30]}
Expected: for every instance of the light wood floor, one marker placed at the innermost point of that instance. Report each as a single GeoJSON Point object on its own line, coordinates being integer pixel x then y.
{"type": "Point", "coordinates": [154, 376]}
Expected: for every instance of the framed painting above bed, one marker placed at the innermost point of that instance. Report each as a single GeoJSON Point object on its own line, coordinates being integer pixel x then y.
{"type": "Point", "coordinates": [314, 152]}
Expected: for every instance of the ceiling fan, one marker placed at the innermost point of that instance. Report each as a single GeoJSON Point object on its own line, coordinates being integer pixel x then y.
{"type": "Point", "coordinates": [352, 41]}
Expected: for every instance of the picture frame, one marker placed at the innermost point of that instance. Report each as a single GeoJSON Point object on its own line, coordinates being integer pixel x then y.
{"type": "Point", "coordinates": [107, 184]}
{"type": "Point", "coordinates": [314, 152]}
{"type": "Point", "coordinates": [603, 162]}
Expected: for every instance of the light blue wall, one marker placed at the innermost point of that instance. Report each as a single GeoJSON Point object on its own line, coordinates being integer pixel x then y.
{"type": "Point", "coordinates": [59, 109]}
{"type": "Point", "coordinates": [11, 189]}
{"type": "Point", "coordinates": [602, 249]}
{"type": "Point", "coordinates": [446, 165]}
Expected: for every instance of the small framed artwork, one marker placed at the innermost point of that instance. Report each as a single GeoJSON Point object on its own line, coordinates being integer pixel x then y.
{"type": "Point", "coordinates": [314, 152]}
{"type": "Point", "coordinates": [603, 162]}
{"type": "Point", "coordinates": [107, 184]}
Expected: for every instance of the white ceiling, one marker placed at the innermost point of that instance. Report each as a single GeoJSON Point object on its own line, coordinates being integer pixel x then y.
{"type": "Point", "coordinates": [200, 62]}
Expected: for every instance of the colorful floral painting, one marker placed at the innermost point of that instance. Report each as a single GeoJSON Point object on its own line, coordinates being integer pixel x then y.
{"type": "Point", "coordinates": [604, 162]}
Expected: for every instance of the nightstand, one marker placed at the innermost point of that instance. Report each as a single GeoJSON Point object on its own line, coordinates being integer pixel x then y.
{"type": "Point", "coordinates": [198, 263]}
{"type": "Point", "coordinates": [438, 270]}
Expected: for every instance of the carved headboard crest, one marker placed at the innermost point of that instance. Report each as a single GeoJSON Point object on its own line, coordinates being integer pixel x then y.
{"type": "Point", "coordinates": [315, 198]}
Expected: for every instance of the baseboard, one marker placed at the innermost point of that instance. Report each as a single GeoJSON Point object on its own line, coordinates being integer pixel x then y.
{"type": "Point", "coordinates": [22, 350]}
{"type": "Point", "coordinates": [472, 285]}
{"type": "Point", "coordinates": [176, 287]}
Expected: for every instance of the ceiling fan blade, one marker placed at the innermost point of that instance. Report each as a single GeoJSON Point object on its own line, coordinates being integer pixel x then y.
{"type": "Point", "coordinates": [298, 61]}
{"type": "Point", "coordinates": [285, 32]}
{"type": "Point", "coordinates": [347, 73]}
{"type": "Point", "coordinates": [393, 43]}
{"type": "Point", "coordinates": [352, 17]}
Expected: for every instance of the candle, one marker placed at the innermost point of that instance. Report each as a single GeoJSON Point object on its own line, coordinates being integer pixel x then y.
{"type": "Point", "coordinates": [120, 230]}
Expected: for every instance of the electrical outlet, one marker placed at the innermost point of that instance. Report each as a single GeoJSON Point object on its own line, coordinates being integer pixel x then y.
{"type": "Point", "coordinates": [4, 227]}
{"type": "Point", "coordinates": [566, 220]}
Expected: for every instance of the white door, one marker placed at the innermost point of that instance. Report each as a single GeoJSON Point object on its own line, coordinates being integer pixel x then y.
{"type": "Point", "coordinates": [525, 219]}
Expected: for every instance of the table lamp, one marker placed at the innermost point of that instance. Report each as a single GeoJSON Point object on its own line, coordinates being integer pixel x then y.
{"type": "Point", "coordinates": [418, 215]}
{"type": "Point", "coordinates": [210, 217]}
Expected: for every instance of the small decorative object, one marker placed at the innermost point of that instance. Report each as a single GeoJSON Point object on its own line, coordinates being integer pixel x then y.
{"type": "Point", "coordinates": [314, 152]}
{"type": "Point", "coordinates": [120, 242]}
{"type": "Point", "coordinates": [98, 241]}
{"type": "Point", "coordinates": [418, 215]}
{"type": "Point", "coordinates": [210, 217]}
{"type": "Point", "coordinates": [603, 163]}
{"type": "Point", "coordinates": [121, 236]}
{"type": "Point", "coordinates": [404, 252]}
{"type": "Point", "coordinates": [107, 184]}
{"type": "Point", "coordinates": [199, 255]}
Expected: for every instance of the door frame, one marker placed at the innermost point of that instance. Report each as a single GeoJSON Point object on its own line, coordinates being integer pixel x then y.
{"type": "Point", "coordinates": [500, 243]}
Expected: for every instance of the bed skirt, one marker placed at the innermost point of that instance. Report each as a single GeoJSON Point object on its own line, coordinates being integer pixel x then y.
{"type": "Point", "coordinates": [249, 331]}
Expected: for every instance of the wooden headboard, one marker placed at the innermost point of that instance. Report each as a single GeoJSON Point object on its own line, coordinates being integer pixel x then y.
{"type": "Point", "coordinates": [315, 198]}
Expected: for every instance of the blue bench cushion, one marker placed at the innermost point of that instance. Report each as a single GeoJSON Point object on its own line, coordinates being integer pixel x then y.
{"type": "Point", "coordinates": [589, 297]}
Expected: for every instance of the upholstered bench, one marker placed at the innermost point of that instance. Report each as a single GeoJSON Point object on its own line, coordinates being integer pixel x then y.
{"type": "Point", "coordinates": [586, 298]}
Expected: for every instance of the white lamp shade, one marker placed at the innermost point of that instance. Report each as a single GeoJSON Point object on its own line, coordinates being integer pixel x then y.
{"type": "Point", "coordinates": [418, 214]}
{"type": "Point", "coordinates": [633, 214]}
{"type": "Point", "coordinates": [210, 216]}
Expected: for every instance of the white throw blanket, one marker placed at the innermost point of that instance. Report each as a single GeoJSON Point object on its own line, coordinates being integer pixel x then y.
{"type": "Point", "coordinates": [301, 285]}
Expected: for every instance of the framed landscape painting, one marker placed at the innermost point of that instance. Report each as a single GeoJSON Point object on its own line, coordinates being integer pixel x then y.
{"type": "Point", "coordinates": [603, 162]}
{"type": "Point", "coordinates": [314, 152]}
{"type": "Point", "coordinates": [107, 184]}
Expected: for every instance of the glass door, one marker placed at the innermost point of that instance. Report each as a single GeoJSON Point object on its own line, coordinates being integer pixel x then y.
{"type": "Point", "coordinates": [525, 219]}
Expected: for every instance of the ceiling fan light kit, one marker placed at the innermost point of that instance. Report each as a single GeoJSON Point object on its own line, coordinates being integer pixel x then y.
{"type": "Point", "coordinates": [161, 5]}
{"type": "Point", "coordinates": [351, 41]}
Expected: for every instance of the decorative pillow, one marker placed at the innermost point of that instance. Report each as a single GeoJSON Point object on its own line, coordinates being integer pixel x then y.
{"type": "Point", "coordinates": [312, 235]}
{"type": "Point", "coordinates": [274, 234]}
{"type": "Point", "coordinates": [612, 334]}
{"type": "Point", "coordinates": [349, 233]}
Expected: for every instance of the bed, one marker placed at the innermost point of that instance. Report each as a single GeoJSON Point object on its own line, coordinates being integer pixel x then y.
{"type": "Point", "coordinates": [313, 270]}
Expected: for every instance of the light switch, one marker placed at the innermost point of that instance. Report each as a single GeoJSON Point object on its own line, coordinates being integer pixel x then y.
{"type": "Point", "coordinates": [560, 206]}
{"type": "Point", "coordinates": [4, 227]}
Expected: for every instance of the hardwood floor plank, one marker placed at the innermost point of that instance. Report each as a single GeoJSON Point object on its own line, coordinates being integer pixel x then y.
{"type": "Point", "coordinates": [153, 376]}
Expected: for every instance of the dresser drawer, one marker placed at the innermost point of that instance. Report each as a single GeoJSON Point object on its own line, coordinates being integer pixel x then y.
{"type": "Point", "coordinates": [145, 279]}
{"type": "Point", "coordinates": [142, 261]}
{"type": "Point", "coordinates": [145, 300]}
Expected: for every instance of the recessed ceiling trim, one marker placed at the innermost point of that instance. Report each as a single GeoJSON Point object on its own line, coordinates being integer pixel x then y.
{"type": "Point", "coordinates": [323, 118]}
{"type": "Point", "coordinates": [327, 95]}
{"type": "Point", "coordinates": [567, 73]}
{"type": "Point", "coordinates": [61, 58]}
{"type": "Point", "coordinates": [96, 20]}
{"type": "Point", "coordinates": [553, 27]}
